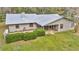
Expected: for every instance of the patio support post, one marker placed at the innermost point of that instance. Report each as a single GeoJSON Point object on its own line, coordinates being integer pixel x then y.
{"type": "Point", "coordinates": [58, 28]}
{"type": "Point", "coordinates": [43, 27]}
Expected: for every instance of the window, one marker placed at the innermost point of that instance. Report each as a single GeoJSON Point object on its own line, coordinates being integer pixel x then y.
{"type": "Point", "coordinates": [31, 24]}
{"type": "Point", "coordinates": [61, 26]}
{"type": "Point", "coordinates": [17, 26]}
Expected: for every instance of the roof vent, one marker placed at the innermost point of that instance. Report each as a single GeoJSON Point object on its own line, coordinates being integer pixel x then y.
{"type": "Point", "coordinates": [23, 15]}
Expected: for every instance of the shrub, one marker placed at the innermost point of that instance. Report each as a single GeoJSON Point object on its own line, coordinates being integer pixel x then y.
{"type": "Point", "coordinates": [29, 36]}
{"type": "Point", "coordinates": [39, 32]}
{"type": "Point", "coordinates": [14, 37]}
{"type": "Point", "coordinates": [24, 36]}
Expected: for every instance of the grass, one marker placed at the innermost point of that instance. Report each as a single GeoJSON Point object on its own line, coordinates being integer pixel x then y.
{"type": "Point", "coordinates": [63, 41]}
{"type": "Point", "coordinates": [2, 26]}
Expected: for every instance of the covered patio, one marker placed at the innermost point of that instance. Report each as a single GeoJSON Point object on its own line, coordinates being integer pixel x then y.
{"type": "Point", "coordinates": [51, 27]}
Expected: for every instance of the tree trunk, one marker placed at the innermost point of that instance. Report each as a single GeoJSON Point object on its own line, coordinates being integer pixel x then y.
{"type": "Point", "coordinates": [76, 28]}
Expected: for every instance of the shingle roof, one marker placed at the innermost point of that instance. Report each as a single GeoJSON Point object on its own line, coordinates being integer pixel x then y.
{"type": "Point", "coordinates": [41, 19]}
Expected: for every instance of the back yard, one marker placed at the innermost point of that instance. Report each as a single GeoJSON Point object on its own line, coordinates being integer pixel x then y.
{"type": "Point", "coordinates": [58, 42]}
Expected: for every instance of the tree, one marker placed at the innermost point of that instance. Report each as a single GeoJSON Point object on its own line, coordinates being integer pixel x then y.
{"type": "Point", "coordinates": [71, 13]}
{"type": "Point", "coordinates": [59, 10]}
{"type": "Point", "coordinates": [77, 25]}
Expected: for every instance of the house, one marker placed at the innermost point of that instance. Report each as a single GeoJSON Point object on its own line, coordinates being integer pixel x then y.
{"type": "Point", "coordinates": [29, 22]}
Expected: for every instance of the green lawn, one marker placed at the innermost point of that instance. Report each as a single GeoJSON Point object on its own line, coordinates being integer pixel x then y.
{"type": "Point", "coordinates": [59, 41]}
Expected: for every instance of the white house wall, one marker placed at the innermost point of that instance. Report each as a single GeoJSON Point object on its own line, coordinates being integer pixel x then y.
{"type": "Point", "coordinates": [67, 25]}
{"type": "Point", "coordinates": [12, 28]}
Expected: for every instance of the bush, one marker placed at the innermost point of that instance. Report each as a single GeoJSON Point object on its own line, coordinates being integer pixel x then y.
{"type": "Point", "coordinates": [29, 36]}
{"type": "Point", "coordinates": [24, 36]}
{"type": "Point", "coordinates": [14, 37]}
{"type": "Point", "coordinates": [39, 32]}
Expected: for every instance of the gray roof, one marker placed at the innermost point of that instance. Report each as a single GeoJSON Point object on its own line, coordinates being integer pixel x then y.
{"type": "Point", "coordinates": [41, 19]}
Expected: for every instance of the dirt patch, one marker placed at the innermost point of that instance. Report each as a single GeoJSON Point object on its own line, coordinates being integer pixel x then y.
{"type": "Point", "coordinates": [76, 34]}
{"type": "Point", "coordinates": [22, 42]}
{"type": "Point", "coordinates": [50, 32]}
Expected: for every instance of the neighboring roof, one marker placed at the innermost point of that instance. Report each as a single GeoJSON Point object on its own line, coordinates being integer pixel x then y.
{"type": "Point", "coordinates": [41, 19]}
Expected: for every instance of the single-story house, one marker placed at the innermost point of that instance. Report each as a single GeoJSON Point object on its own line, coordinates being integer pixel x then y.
{"type": "Point", "coordinates": [28, 22]}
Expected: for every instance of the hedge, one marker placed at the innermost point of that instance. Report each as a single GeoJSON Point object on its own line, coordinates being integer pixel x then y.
{"type": "Point", "coordinates": [14, 37]}
{"type": "Point", "coordinates": [29, 36]}
{"type": "Point", "coordinates": [25, 36]}
{"type": "Point", "coordinates": [39, 32]}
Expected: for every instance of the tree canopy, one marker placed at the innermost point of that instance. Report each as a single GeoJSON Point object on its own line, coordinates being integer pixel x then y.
{"type": "Point", "coordinates": [38, 10]}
